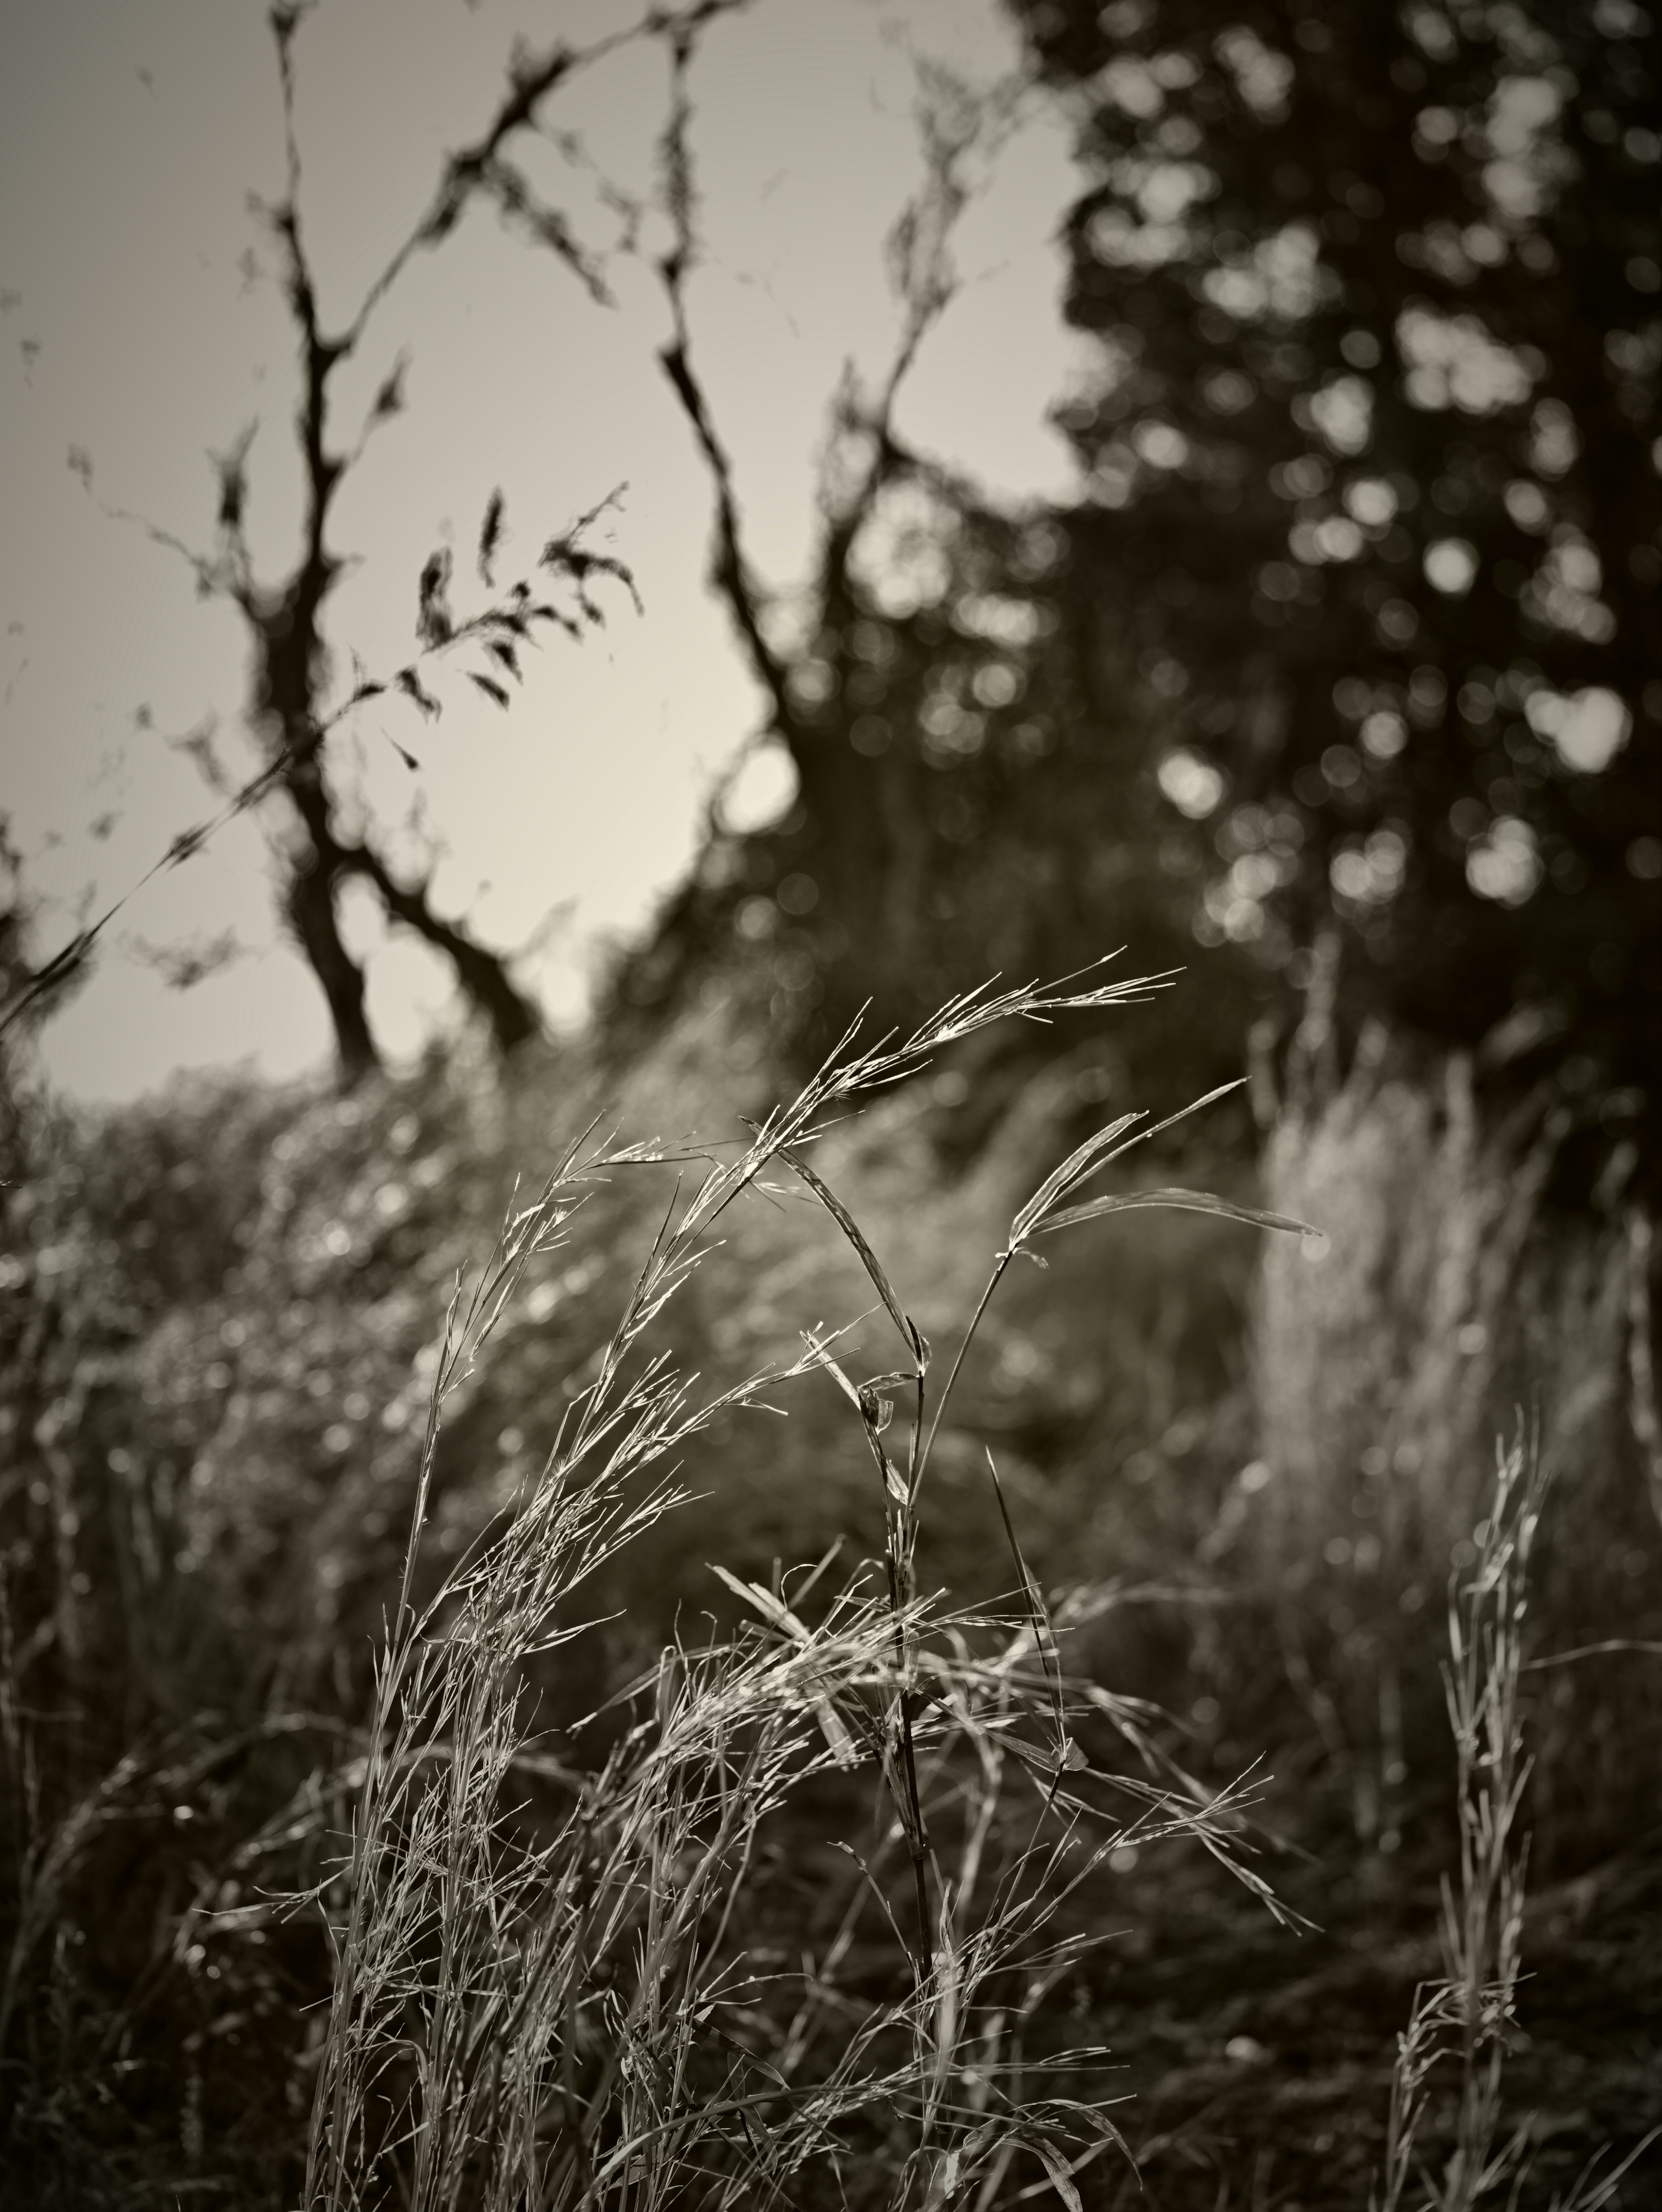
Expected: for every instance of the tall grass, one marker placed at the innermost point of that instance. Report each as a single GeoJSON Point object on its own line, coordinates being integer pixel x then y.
{"type": "Point", "coordinates": [549, 1986]}
{"type": "Point", "coordinates": [1467, 2016]}
{"type": "Point", "coordinates": [805, 1913]}
{"type": "Point", "coordinates": [1465, 2021]}
{"type": "Point", "coordinates": [1460, 1283]}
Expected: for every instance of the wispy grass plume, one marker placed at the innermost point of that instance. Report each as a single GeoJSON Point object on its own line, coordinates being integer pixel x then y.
{"type": "Point", "coordinates": [555, 1983]}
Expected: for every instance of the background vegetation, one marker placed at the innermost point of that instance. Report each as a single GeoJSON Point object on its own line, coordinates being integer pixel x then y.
{"type": "Point", "coordinates": [1339, 667]}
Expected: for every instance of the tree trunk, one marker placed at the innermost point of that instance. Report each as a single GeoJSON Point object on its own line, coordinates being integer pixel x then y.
{"type": "Point", "coordinates": [309, 902]}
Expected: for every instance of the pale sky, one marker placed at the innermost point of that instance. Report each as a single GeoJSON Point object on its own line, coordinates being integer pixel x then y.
{"type": "Point", "coordinates": [132, 133]}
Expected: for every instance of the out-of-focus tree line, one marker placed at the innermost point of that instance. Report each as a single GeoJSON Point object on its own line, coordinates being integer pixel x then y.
{"type": "Point", "coordinates": [1344, 660]}
{"type": "Point", "coordinates": [1341, 662]}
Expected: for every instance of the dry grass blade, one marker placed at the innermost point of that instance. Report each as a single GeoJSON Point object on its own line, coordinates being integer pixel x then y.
{"type": "Point", "coordinates": [1068, 1753]}
{"type": "Point", "coordinates": [1072, 1171]}
{"type": "Point", "coordinates": [911, 1335]}
{"type": "Point", "coordinates": [1181, 1202]}
{"type": "Point", "coordinates": [1100, 1151]}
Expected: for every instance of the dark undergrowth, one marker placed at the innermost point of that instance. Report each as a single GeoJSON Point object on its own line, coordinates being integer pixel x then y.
{"type": "Point", "coordinates": [918, 1853]}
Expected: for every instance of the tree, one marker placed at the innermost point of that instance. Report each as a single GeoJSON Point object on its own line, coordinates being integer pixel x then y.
{"type": "Point", "coordinates": [291, 715]}
{"type": "Point", "coordinates": [1372, 486]}
{"type": "Point", "coordinates": [1345, 647]}
{"type": "Point", "coordinates": [970, 764]}
{"type": "Point", "coordinates": [971, 761]}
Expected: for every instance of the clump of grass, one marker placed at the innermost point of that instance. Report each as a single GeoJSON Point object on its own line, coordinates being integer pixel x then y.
{"type": "Point", "coordinates": [1468, 2015]}
{"type": "Point", "coordinates": [1391, 1352]}
{"type": "Point", "coordinates": [552, 1985]}
{"type": "Point", "coordinates": [1463, 1277]}
{"type": "Point", "coordinates": [1466, 2021]}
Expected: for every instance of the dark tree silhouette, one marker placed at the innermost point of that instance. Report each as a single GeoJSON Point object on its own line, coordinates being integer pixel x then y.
{"type": "Point", "coordinates": [1373, 484]}
{"type": "Point", "coordinates": [971, 766]}
{"type": "Point", "coordinates": [291, 716]}
{"type": "Point", "coordinates": [286, 620]}
{"type": "Point", "coordinates": [1347, 645]}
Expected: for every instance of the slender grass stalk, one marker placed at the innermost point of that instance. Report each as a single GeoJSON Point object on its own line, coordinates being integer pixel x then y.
{"type": "Point", "coordinates": [1464, 2021]}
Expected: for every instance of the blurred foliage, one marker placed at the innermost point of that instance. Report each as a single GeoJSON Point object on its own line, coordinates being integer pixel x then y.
{"type": "Point", "coordinates": [1372, 451]}
{"type": "Point", "coordinates": [974, 795]}
{"type": "Point", "coordinates": [1351, 627]}
{"type": "Point", "coordinates": [135, 1752]}
{"type": "Point", "coordinates": [219, 1316]}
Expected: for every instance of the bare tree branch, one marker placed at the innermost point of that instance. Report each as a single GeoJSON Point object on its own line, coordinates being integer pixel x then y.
{"type": "Point", "coordinates": [731, 571]}
{"type": "Point", "coordinates": [954, 120]}
{"type": "Point", "coordinates": [513, 1017]}
{"type": "Point", "coordinates": [509, 622]}
{"type": "Point", "coordinates": [286, 619]}
{"type": "Point", "coordinates": [868, 837]}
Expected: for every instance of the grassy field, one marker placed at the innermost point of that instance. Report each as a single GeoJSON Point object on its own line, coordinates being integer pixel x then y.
{"type": "Point", "coordinates": [714, 1721]}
